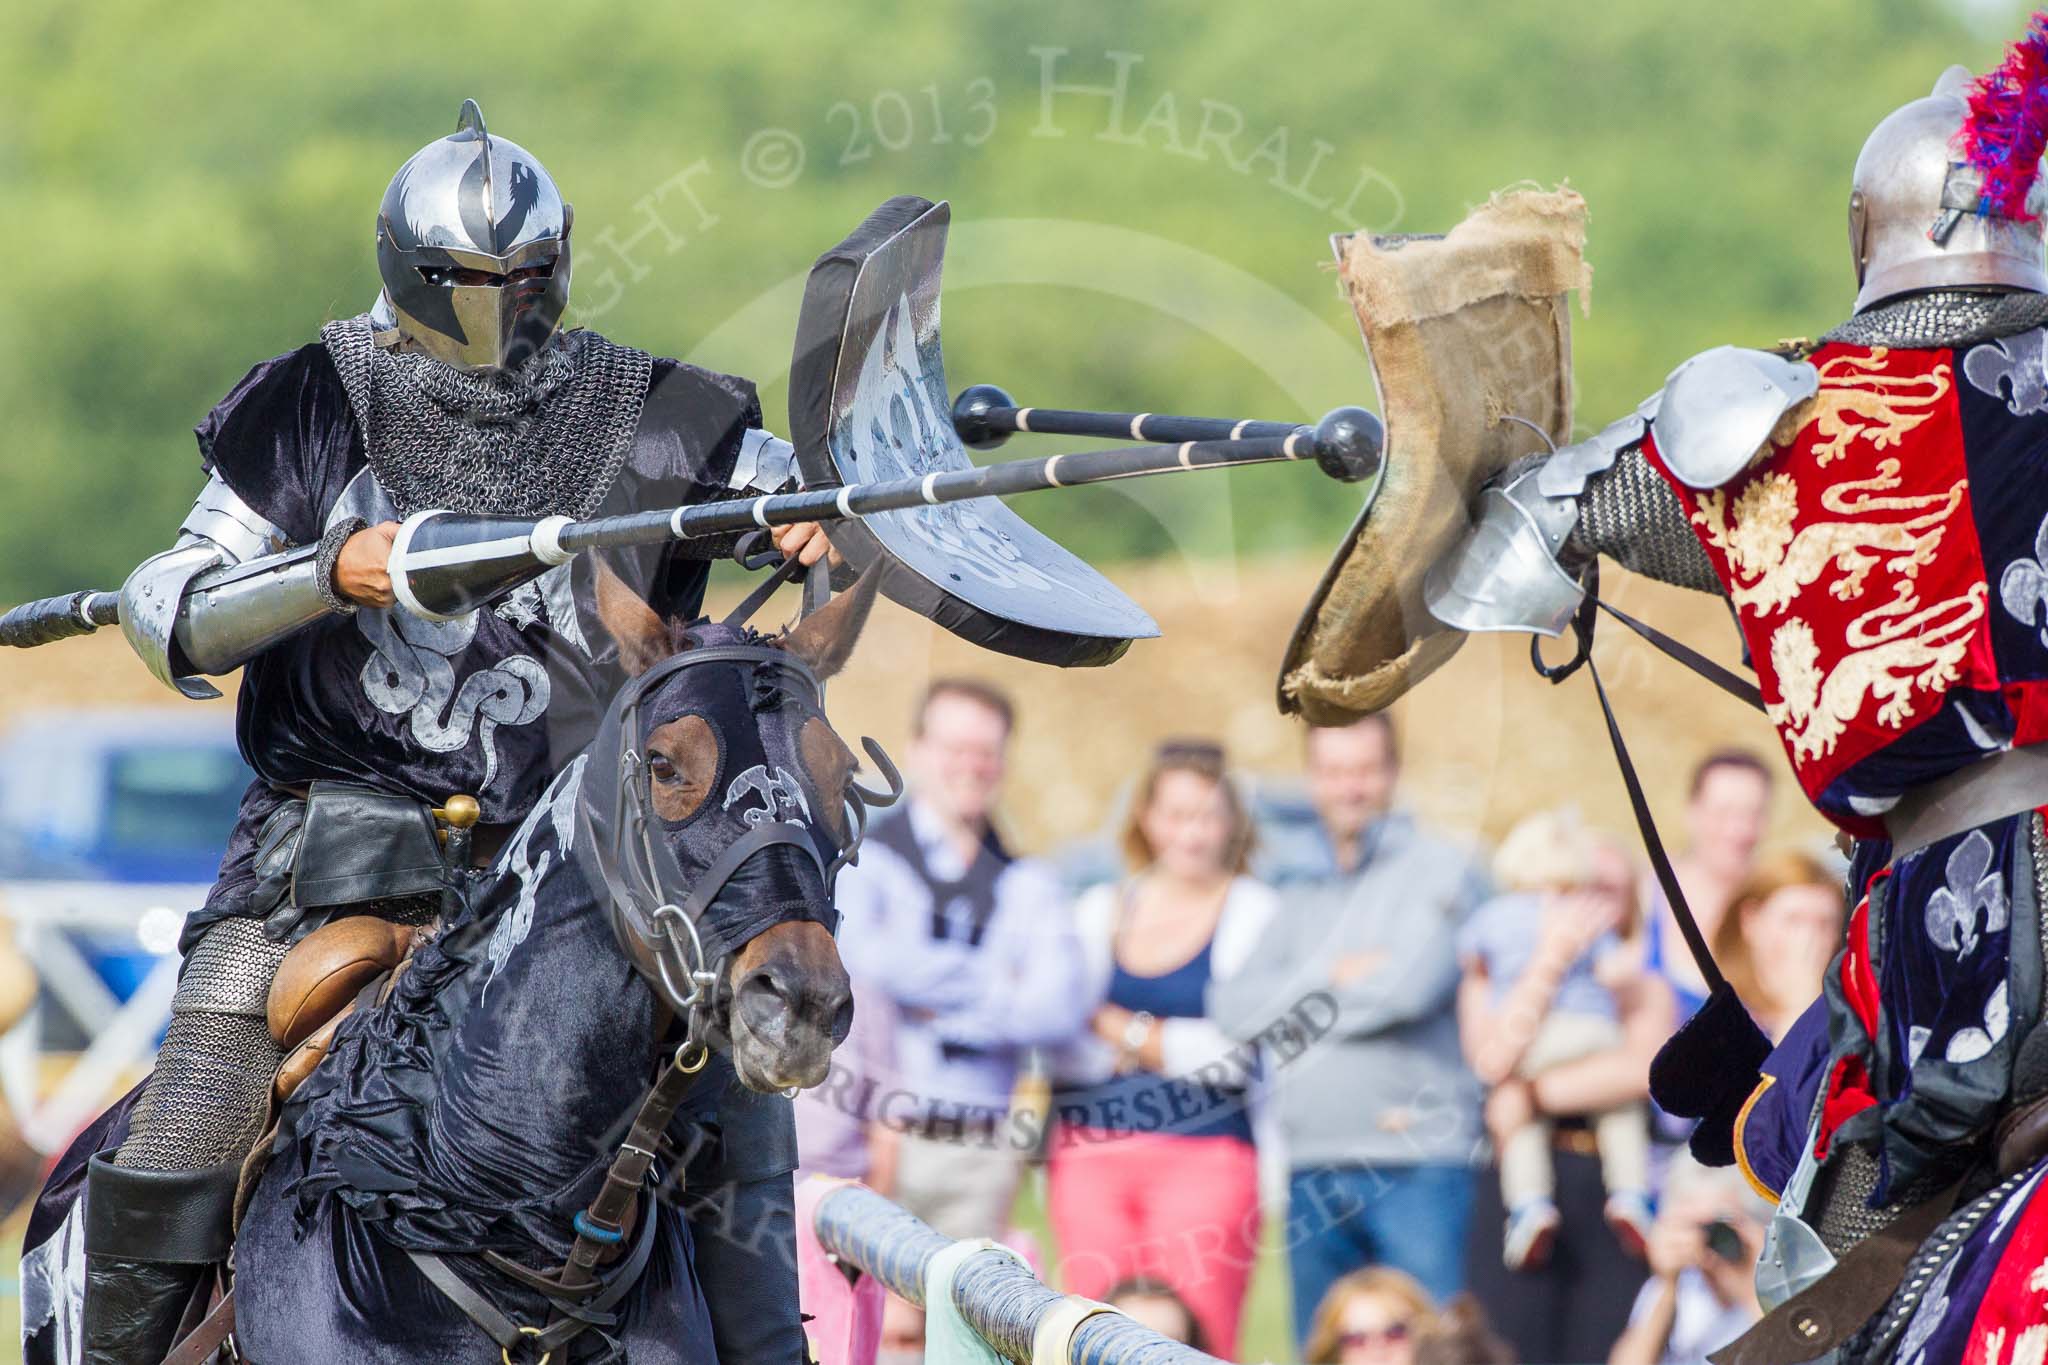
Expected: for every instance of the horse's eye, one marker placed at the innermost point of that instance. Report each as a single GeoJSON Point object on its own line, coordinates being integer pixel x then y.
{"type": "Point", "coordinates": [682, 763]}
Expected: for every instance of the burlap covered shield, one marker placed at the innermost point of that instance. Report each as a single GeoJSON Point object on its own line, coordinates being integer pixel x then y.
{"type": "Point", "coordinates": [1464, 331]}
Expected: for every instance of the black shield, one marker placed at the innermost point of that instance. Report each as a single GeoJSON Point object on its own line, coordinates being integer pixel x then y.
{"type": "Point", "coordinates": [868, 401]}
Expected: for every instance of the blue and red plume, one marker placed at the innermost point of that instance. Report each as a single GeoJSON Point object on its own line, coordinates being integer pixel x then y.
{"type": "Point", "coordinates": [2007, 128]}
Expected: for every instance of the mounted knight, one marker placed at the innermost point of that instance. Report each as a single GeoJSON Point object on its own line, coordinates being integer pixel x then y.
{"type": "Point", "coordinates": [397, 753]}
{"type": "Point", "coordinates": [1873, 506]}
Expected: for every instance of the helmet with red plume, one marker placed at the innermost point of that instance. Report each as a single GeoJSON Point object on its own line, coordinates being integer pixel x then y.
{"type": "Point", "coordinates": [1947, 191]}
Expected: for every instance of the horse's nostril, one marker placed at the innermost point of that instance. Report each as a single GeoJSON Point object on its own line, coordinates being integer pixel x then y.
{"type": "Point", "coordinates": [766, 982]}
{"type": "Point", "coordinates": [842, 1021]}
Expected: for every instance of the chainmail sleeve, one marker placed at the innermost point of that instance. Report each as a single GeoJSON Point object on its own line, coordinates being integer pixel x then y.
{"type": "Point", "coordinates": [1630, 515]}
{"type": "Point", "coordinates": [329, 559]}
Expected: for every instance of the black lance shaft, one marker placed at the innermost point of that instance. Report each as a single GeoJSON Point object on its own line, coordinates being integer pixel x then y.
{"type": "Point", "coordinates": [444, 564]}
{"type": "Point", "coordinates": [1070, 470]}
{"type": "Point", "coordinates": [985, 417]}
{"type": "Point", "coordinates": [51, 619]}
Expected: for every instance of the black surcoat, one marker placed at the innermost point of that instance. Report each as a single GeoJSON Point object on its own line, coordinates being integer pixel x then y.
{"type": "Point", "coordinates": [489, 705]}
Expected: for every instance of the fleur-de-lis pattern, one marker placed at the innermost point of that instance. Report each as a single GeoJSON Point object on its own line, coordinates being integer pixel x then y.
{"type": "Point", "coordinates": [1968, 1044]}
{"type": "Point", "coordinates": [2014, 368]}
{"type": "Point", "coordinates": [2023, 587]}
{"type": "Point", "coordinates": [1975, 889]}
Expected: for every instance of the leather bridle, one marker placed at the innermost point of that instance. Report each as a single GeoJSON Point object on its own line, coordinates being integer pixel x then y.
{"type": "Point", "coordinates": [659, 912]}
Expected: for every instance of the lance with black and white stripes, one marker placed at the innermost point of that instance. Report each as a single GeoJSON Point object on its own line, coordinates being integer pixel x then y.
{"type": "Point", "coordinates": [444, 564]}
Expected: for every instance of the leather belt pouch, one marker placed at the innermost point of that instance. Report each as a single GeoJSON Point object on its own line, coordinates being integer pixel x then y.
{"type": "Point", "coordinates": [343, 846]}
{"type": "Point", "coordinates": [358, 844]}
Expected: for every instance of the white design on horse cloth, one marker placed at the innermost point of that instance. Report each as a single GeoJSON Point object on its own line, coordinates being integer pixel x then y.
{"type": "Point", "coordinates": [522, 607]}
{"type": "Point", "coordinates": [558, 809]}
{"type": "Point", "coordinates": [781, 796]}
{"type": "Point", "coordinates": [549, 598]}
{"type": "Point", "coordinates": [412, 673]}
{"type": "Point", "coordinates": [53, 1285]}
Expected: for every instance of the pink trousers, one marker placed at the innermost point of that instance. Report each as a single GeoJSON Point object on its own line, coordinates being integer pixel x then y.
{"type": "Point", "coordinates": [1184, 1210]}
{"type": "Point", "coordinates": [843, 1318]}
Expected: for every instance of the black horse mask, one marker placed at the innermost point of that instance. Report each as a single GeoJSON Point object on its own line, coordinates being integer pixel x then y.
{"type": "Point", "coordinates": [697, 863]}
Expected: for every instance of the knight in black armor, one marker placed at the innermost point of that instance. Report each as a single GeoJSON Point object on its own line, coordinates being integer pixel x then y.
{"type": "Point", "coordinates": [459, 390]}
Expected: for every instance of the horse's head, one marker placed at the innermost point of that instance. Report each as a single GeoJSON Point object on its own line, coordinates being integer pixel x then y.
{"type": "Point", "coordinates": [731, 805]}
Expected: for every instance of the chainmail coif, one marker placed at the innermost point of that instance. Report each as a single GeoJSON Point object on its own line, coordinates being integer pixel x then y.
{"type": "Point", "coordinates": [1944, 317]}
{"type": "Point", "coordinates": [544, 439]}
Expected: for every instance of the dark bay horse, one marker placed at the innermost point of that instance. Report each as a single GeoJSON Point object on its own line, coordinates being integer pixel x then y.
{"type": "Point", "coordinates": [473, 1113]}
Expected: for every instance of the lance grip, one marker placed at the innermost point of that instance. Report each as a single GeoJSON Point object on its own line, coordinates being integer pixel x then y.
{"type": "Point", "coordinates": [447, 564]}
{"type": "Point", "coordinates": [59, 618]}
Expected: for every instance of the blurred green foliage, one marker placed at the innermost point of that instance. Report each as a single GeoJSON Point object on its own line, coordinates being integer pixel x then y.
{"type": "Point", "coordinates": [193, 188]}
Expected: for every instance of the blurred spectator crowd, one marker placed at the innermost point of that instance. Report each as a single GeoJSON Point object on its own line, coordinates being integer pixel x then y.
{"type": "Point", "coordinates": [1302, 1016]}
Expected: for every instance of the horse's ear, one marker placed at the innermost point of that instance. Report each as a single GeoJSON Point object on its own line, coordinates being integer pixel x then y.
{"type": "Point", "coordinates": [825, 639]}
{"type": "Point", "coordinates": [641, 634]}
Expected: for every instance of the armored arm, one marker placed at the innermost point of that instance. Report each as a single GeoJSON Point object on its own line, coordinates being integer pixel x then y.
{"type": "Point", "coordinates": [228, 589]}
{"type": "Point", "coordinates": [762, 463]}
{"type": "Point", "coordinates": [1629, 514]}
{"type": "Point", "coordinates": [1517, 569]}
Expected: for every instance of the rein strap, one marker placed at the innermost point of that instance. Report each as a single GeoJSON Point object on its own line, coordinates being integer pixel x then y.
{"type": "Point", "coordinates": [598, 1229]}
{"type": "Point", "coordinates": [603, 1224]}
{"type": "Point", "coordinates": [1646, 823]}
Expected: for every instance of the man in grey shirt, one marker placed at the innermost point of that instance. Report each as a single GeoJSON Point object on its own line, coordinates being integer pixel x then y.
{"type": "Point", "coordinates": [1379, 1115]}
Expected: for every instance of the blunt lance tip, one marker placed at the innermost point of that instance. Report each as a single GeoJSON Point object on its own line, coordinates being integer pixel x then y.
{"type": "Point", "coordinates": [1349, 442]}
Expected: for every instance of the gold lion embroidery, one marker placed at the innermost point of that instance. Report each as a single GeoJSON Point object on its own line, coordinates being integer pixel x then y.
{"type": "Point", "coordinates": [1875, 538]}
{"type": "Point", "coordinates": [1857, 402]}
{"type": "Point", "coordinates": [2030, 1347]}
{"type": "Point", "coordinates": [1895, 651]}
{"type": "Point", "coordinates": [1774, 562]}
